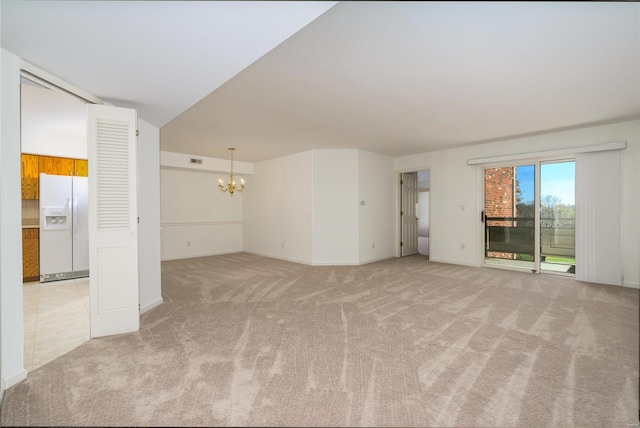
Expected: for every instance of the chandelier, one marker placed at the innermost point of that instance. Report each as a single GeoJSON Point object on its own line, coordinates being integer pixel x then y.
{"type": "Point", "coordinates": [231, 185]}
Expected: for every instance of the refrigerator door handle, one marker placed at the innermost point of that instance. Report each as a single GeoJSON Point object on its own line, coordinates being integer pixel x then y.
{"type": "Point", "coordinates": [74, 217]}
{"type": "Point", "coordinates": [69, 214]}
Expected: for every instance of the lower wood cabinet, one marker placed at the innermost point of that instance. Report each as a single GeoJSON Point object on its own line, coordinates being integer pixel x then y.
{"type": "Point", "coordinates": [30, 254]}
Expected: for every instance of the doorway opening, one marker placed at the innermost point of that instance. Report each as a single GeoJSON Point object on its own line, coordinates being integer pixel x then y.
{"type": "Point", "coordinates": [414, 213]}
{"type": "Point", "coordinates": [54, 168]}
{"type": "Point", "coordinates": [529, 216]}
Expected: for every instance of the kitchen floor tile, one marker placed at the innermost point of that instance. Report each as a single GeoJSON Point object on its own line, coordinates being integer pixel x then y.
{"type": "Point", "coordinates": [56, 319]}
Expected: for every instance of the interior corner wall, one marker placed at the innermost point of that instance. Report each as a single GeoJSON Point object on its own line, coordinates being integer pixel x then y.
{"type": "Point", "coordinates": [11, 335]}
{"type": "Point", "coordinates": [149, 213]}
{"type": "Point", "coordinates": [456, 190]}
{"type": "Point", "coordinates": [376, 196]}
{"type": "Point", "coordinates": [277, 208]}
{"type": "Point", "coordinates": [335, 235]}
{"type": "Point", "coordinates": [198, 219]}
{"type": "Point", "coordinates": [630, 132]}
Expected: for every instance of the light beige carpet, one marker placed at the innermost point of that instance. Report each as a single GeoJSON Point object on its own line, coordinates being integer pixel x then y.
{"type": "Point", "coordinates": [246, 340]}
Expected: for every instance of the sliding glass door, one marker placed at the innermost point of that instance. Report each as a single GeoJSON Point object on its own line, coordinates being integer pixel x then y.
{"type": "Point", "coordinates": [529, 216]}
{"type": "Point", "coordinates": [558, 217]}
{"type": "Point", "coordinates": [509, 218]}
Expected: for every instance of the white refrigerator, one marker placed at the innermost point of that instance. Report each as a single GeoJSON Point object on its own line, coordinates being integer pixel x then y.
{"type": "Point", "coordinates": [64, 227]}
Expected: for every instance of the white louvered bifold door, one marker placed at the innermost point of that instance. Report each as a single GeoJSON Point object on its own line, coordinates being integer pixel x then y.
{"type": "Point", "coordinates": [113, 236]}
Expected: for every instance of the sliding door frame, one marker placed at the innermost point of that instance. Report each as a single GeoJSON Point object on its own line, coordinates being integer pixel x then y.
{"type": "Point", "coordinates": [536, 162]}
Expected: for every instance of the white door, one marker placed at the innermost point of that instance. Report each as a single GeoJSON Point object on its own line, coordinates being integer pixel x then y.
{"type": "Point", "coordinates": [113, 241]}
{"type": "Point", "coordinates": [409, 192]}
{"type": "Point", "coordinates": [80, 224]}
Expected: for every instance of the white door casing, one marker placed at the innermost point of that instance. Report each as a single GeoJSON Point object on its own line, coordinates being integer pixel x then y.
{"type": "Point", "coordinates": [113, 241]}
{"type": "Point", "coordinates": [409, 220]}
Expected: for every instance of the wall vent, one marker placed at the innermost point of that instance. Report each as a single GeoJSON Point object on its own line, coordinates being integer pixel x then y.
{"type": "Point", "coordinates": [194, 160]}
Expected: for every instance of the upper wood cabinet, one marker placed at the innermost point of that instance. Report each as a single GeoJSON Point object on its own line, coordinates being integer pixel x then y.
{"type": "Point", "coordinates": [81, 167]}
{"type": "Point", "coordinates": [33, 165]}
{"type": "Point", "coordinates": [56, 166]}
{"type": "Point", "coordinates": [29, 171]}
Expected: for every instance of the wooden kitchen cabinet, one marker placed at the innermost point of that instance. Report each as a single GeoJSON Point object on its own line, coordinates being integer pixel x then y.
{"type": "Point", "coordinates": [56, 166]}
{"type": "Point", "coordinates": [33, 165]}
{"type": "Point", "coordinates": [30, 254]}
{"type": "Point", "coordinates": [29, 172]}
{"type": "Point", "coordinates": [81, 167]}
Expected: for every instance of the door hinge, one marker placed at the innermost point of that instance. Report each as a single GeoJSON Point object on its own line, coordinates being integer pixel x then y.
{"type": "Point", "coordinates": [401, 212]}
{"type": "Point", "coordinates": [401, 182]}
{"type": "Point", "coordinates": [138, 220]}
{"type": "Point", "coordinates": [137, 132]}
{"type": "Point", "coordinates": [402, 244]}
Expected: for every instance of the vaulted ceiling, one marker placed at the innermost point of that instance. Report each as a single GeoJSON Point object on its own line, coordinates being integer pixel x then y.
{"type": "Point", "coordinates": [396, 78]}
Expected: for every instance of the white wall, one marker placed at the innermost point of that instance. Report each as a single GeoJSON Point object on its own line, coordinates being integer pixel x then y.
{"type": "Point", "coordinates": [630, 133]}
{"type": "Point", "coordinates": [318, 219]}
{"type": "Point", "coordinates": [278, 208]}
{"type": "Point", "coordinates": [149, 213]}
{"type": "Point", "coordinates": [53, 124]}
{"type": "Point", "coordinates": [197, 218]}
{"type": "Point", "coordinates": [376, 179]}
{"type": "Point", "coordinates": [183, 161]}
{"type": "Point", "coordinates": [456, 185]}
{"type": "Point", "coordinates": [335, 207]}
{"type": "Point", "coordinates": [11, 352]}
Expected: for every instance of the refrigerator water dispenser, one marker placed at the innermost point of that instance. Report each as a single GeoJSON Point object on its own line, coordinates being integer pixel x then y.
{"type": "Point", "coordinates": [54, 218]}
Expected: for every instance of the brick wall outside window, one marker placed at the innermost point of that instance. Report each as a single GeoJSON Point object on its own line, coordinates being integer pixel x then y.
{"type": "Point", "coordinates": [499, 198]}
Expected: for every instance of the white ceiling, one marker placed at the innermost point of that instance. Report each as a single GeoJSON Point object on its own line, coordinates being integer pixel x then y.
{"type": "Point", "coordinates": [396, 78]}
{"type": "Point", "coordinates": [159, 57]}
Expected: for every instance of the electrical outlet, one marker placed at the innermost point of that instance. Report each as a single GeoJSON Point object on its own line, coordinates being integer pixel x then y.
{"type": "Point", "coordinates": [373, 245]}
{"type": "Point", "coordinates": [188, 243]}
{"type": "Point", "coordinates": [282, 244]}
{"type": "Point", "coordinates": [462, 246]}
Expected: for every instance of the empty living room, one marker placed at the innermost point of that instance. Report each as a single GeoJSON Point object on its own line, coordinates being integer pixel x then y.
{"type": "Point", "coordinates": [324, 213]}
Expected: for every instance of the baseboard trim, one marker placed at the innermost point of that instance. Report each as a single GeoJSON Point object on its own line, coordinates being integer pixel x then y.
{"type": "Point", "coordinates": [334, 263]}
{"type": "Point", "coordinates": [14, 379]}
{"type": "Point", "coordinates": [150, 306]}
{"type": "Point", "coordinates": [194, 256]}
{"type": "Point", "coordinates": [377, 259]}
{"type": "Point", "coordinates": [631, 285]}
{"type": "Point", "coordinates": [286, 259]}
{"type": "Point", "coordinates": [431, 259]}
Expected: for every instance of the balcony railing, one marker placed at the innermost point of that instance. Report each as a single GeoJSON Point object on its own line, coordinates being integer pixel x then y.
{"type": "Point", "coordinates": [506, 237]}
